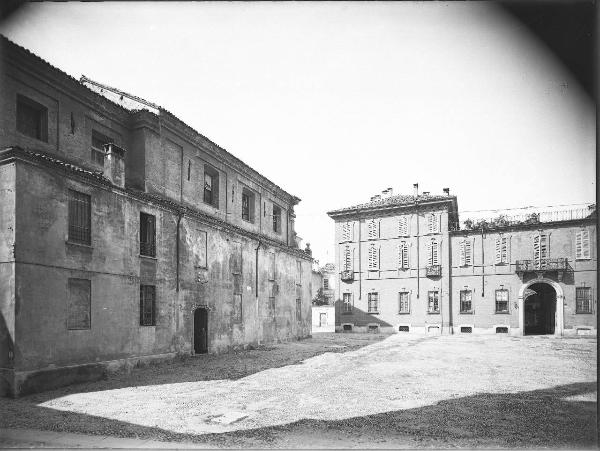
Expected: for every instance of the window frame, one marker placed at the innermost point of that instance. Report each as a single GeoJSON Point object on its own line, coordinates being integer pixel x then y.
{"type": "Point", "coordinates": [403, 255]}
{"type": "Point", "coordinates": [147, 249]}
{"type": "Point", "coordinates": [347, 306]}
{"type": "Point", "coordinates": [579, 299]}
{"type": "Point", "coordinates": [373, 257]}
{"type": "Point", "coordinates": [406, 301]}
{"type": "Point", "coordinates": [433, 295]}
{"type": "Point", "coordinates": [95, 150]}
{"type": "Point", "coordinates": [462, 300]}
{"type": "Point", "coordinates": [248, 215]}
{"type": "Point", "coordinates": [372, 297]}
{"type": "Point", "coordinates": [25, 103]}
{"type": "Point", "coordinates": [496, 301]}
{"type": "Point", "coordinates": [582, 239]}
{"type": "Point", "coordinates": [213, 192]}
{"type": "Point", "coordinates": [75, 209]}
{"type": "Point", "coordinates": [145, 290]}
{"type": "Point", "coordinates": [277, 218]}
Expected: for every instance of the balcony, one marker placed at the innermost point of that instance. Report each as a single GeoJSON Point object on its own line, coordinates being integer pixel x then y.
{"type": "Point", "coordinates": [347, 276]}
{"type": "Point", "coordinates": [433, 271]}
{"type": "Point", "coordinates": [543, 266]}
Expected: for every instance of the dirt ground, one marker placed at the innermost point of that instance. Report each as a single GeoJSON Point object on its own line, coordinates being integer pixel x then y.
{"type": "Point", "coordinates": [344, 391]}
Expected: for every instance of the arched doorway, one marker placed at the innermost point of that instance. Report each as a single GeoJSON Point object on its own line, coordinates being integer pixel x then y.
{"type": "Point", "coordinates": [200, 331]}
{"type": "Point", "coordinates": [540, 310]}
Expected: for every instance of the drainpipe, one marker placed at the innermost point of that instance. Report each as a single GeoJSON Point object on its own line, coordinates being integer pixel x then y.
{"type": "Point", "coordinates": [359, 264]}
{"type": "Point", "coordinates": [256, 293]}
{"type": "Point", "coordinates": [179, 216]}
{"type": "Point", "coordinates": [482, 266]}
{"type": "Point", "coordinates": [418, 252]}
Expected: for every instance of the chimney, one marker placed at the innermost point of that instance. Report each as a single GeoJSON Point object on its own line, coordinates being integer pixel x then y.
{"type": "Point", "coordinates": [447, 191]}
{"type": "Point", "coordinates": [387, 192]}
{"type": "Point", "coordinates": [416, 188]}
{"type": "Point", "coordinates": [425, 193]}
{"type": "Point", "coordinates": [114, 164]}
{"type": "Point", "coordinates": [376, 197]}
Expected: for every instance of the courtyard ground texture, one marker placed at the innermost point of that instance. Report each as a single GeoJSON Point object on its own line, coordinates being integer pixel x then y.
{"type": "Point", "coordinates": [343, 391]}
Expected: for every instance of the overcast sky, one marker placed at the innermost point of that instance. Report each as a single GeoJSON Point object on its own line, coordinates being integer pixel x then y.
{"type": "Point", "coordinates": [335, 102]}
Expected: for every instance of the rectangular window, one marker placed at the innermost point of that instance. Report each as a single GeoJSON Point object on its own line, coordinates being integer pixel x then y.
{"type": "Point", "coordinates": [347, 300]}
{"type": "Point", "coordinates": [79, 307]}
{"type": "Point", "coordinates": [403, 226]}
{"type": "Point", "coordinates": [433, 223]}
{"type": "Point", "coordinates": [403, 255]}
{"type": "Point", "coordinates": [247, 205]}
{"type": "Point", "coordinates": [466, 305]}
{"type": "Point", "coordinates": [347, 259]}
{"type": "Point", "coordinates": [466, 253]}
{"type": "Point", "coordinates": [502, 301]}
{"type": "Point", "coordinates": [373, 257]}
{"type": "Point", "coordinates": [98, 142]}
{"type": "Point", "coordinates": [373, 229]}
{"type": "Point", "coordinates": [582, 245]}
{"type": "Point", "coordinates": [299, 309]}
{"type": "Point", "coordinates": [541, 250]}
{"type": "Point", "coordinates": [147, 235]}
{"type": "Point", "coordinates": [147, 305]}
{"type": "Point", "coordinates": [433, 301]}
{"type": "Point", "coordinates": [373, 302]}
{"type": "Point", "coordinates": [326, 284]}
{"type": "Point", "coordinates": [276, 219]}
{"type": "Point", "coordinates": [346, 232]}
{"type": "Point", "coordinates": [32, 118]}
{"type": "Point", "coordinates": [211, 186]}
{"type": "Point", "coordinates": [80, 227]}
{"type": "Point", "coordinates": [403, 302]}
{"type": "Point", "coordinates": [583, 299]}
{"type": "Point", "coordinates": [433, 253]}
{"type": "Point", "coordinates": [502, 254]}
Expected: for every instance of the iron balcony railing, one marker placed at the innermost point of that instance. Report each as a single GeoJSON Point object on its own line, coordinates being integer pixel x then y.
{"type": "Point", "coordinates": [433, 271]}
{"type": "Point", "coordinates": [543, 264]}
{"type": "Point", "coordinates": [347, 276]}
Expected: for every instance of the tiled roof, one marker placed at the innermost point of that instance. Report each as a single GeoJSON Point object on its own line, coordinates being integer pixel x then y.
{"type": "Point", "coordinates": [398, 200]}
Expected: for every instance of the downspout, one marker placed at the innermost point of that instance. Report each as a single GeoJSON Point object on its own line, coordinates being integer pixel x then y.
{"type": "Point", "coordinates": [256, 293]}
{"type": "Point", "coordinates": [418, 252]}
{"type": "Point", "coordinates": [482, 266]}
{"type": "Point", "coordinates": [359, 264]}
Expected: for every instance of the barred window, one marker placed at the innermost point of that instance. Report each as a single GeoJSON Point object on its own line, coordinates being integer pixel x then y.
{"type": "Point", "coordinates": [466, 305]}
{"type": "Point", "coordinates": [582, 245]}
{"type": "Point", "coordinates": [373, 257]}
{"type": "Point", "coordinates": [403, 302]}
{"type": "Point", "coordinates": [373, 229]}
{"type": "Point", "coordinates": [373, 302]}
{"type": "Point", "coordinates": [433, 301]}
{"type": "Point", "coordinates": [433, 253]}
{"type": "Point", "coordinates": [403, 255]}
{"type": "Point", "coordinates": [347, 300]}
{"type": "Point", "coordinates": [502, 301]}
{"type": "Point", "coordinates": [147, 235]}
{"type": "Point", "coordinates": [80, 218]}
{"type": "Point", "coordinates": [466, 253]}
{"type": "Point", "coordinates": [403, 226]}
{"type": "Point", "coordinates": [147, 305]}
{"type": "Point", "coordinates": [502, 254]}
{"type": "Point", "coordinates": [583, 299]}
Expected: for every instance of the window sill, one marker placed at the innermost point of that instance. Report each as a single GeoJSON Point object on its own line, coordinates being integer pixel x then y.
{"type": "Point", "coordinates": [373, 313]}
{"type": "Point", "coordinates": [584, 313]}
{"type": "Point", "coordinates": [74, 243]}
{"type": "Point", "coordinates": [148, 257]}
{"type": "Point", "coordinates": [248, 221]}
{"type": "Point", "coordinates": [433, 313]}
{"type": "Point", "coordinates": [403, 313]}
{"type": "Point", "coordinates": [79, 328]}
{"type": "Point", "coordinates": [148, 325]}
{"type": "Point", "coordinates": [502, 313]}
{"type": "Point", "coordinates": [465, 313]}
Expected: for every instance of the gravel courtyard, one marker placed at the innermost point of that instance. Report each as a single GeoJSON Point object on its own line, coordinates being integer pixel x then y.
{"type": "Point", "coordinates": [344, 391]}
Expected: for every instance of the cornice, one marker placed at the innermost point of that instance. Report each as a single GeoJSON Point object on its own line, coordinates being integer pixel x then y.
{"type": "Point", "coordinates": [368, 211]}
{"type": "Point", "coordinates": [524, 227]}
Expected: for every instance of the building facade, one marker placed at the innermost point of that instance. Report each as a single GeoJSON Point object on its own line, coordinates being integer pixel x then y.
{"type": "Point", "coordinates": [407, 265]}
{"type": "Point", "coordinates": [127, 236]}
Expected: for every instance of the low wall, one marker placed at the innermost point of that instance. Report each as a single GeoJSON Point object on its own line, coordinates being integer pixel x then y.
{"type": "Point", "coordinates": [323, 318]}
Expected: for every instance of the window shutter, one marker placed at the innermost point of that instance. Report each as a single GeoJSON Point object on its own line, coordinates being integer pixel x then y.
{"type": "Point", "coordinates": [579, 244]}
{"type": "Point", "coordinates": [582, 244]}
{"type": "Point", "coordinates": [350, 231]}
{"type": "Point", "coordinates": [544, 246]}
{"type": "Point", "coordinates": [372, 257]}
{"type": "Point", "coordinates": [498, 250]}
{"type": "Point", "coordinates": [462, 249]}
{"type": "Point", "coordinates": [435, 254]}
{"type": "Point", "coordinates": [403, 226]}
{"type": "Point", "coordinates": [430, 220]}
{"type": "Point", "coordinates": [536, 250]}
{"type": "Point", "coordinates": [468, 253]}
{"type": "Point", "coordinates": [429, 250]}
{"type": "Point", "coordinates": [405, 261]}
{"type": "Point", "coordinates": [438, 223]}
{"type": "Point", "coordinates": [504, 250]}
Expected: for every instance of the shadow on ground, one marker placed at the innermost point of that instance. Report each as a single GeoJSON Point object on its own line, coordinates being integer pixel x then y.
{"type": "Point", "coordinates": [233, 365]}
{"type": "Point", "coordinates": [539, 418]}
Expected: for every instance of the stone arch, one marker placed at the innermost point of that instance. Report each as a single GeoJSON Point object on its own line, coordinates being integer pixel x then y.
{"type": "Point", "coordinates": [560, 298]}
